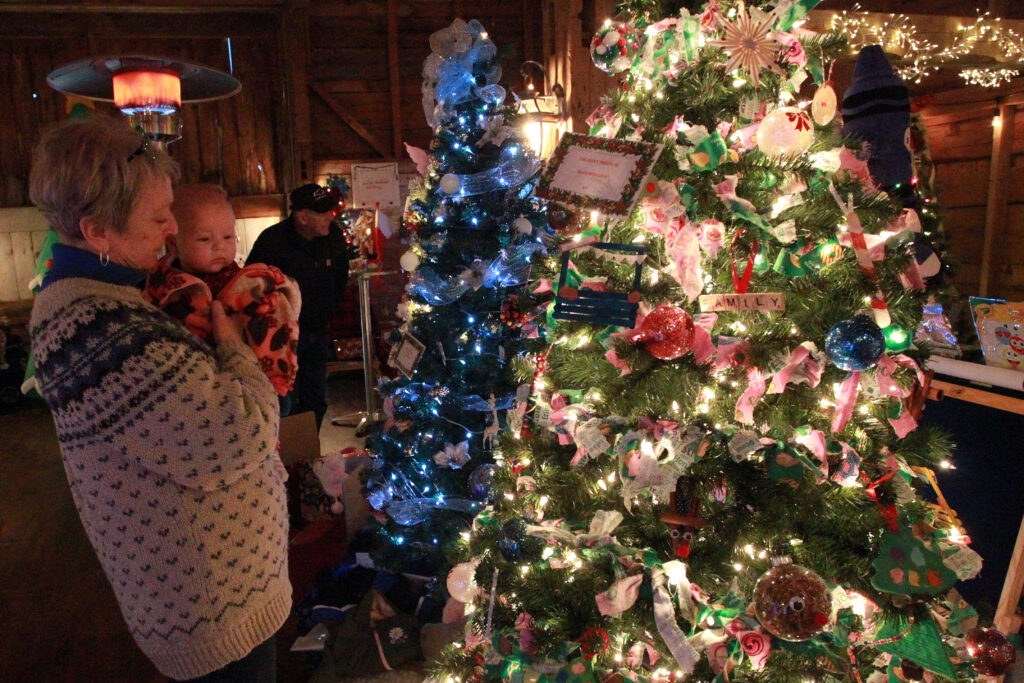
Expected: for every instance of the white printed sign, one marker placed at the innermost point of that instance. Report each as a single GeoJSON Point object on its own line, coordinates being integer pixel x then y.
{"type": "Point", "coordinates": [375, 186]}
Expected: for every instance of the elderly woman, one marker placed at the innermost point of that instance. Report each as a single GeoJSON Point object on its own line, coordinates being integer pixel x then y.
{"type": "Point", "coordinates": [168, 443]}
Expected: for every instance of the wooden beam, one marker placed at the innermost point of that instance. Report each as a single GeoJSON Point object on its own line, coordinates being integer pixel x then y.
{"type": "Point", "coordinates": [352, 122]}
{"type": "Point", "coordinates": [47, 25]}
{"type": "Point", "coordinates": [940, 389]}
{"type": "Point", "coordinates": [995, 214]}
{"type": "Point", "coordinates": [394, 80]}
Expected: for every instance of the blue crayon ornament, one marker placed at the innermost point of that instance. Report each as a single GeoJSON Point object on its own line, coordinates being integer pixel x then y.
{"type": "Point", "coordinates": [855, 344]}
{"type": "Point", "coordinates": [876, 109]}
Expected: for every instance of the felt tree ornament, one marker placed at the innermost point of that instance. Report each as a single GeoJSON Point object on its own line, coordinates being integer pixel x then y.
{"type": "Point", "coordinates": [906, 566]}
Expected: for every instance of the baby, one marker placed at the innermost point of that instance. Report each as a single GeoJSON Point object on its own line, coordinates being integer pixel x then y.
{"type": "Point", "coordinates": [200, 267]}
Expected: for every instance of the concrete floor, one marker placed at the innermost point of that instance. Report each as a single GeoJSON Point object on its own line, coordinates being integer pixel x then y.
{"type": "Point", "coordinates": [59, 620]}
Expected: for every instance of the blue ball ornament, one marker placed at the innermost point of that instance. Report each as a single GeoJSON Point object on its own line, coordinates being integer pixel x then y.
{"type": "Point", "coordinates": [513, 536]}
{"type": "Point", "coordinates": [855, 344]}
{"type": "Point", "coordinates": [481, 483]}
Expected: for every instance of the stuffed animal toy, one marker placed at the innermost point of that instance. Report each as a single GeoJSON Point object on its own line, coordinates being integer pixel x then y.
{"type": "Point", "coordinates": [330, 470]}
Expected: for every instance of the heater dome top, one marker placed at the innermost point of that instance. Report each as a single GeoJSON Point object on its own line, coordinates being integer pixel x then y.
{"type": "Point", "coordinates": [93, 77]}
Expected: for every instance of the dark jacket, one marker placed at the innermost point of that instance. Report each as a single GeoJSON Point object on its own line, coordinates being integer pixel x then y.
{"type": "Point", "coordinates": [319, 265]}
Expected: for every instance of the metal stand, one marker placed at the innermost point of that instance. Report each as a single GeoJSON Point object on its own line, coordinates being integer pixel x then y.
{"type": "Point", "coordinates": [362, 419]}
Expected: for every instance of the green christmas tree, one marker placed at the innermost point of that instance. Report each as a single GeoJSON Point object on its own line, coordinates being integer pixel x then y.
{"type": "Point", "coordinates": [475, 229]}
{"type": "Point", "coordinates": [726, 487]}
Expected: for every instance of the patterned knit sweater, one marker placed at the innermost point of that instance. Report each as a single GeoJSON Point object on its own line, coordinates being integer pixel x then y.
{"type": "Point", "coordinates": [169, 448]}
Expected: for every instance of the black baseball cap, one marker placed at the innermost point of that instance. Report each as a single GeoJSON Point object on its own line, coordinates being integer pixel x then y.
{"type": "Point", "coordinates": [313, 197]}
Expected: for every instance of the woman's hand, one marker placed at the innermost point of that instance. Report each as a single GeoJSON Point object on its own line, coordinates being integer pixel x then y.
{"type": "Point", "coordinates": [225, 330]}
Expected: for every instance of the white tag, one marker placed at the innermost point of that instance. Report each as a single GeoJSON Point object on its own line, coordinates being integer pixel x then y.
{"type": "Point", "coordinates": [749, 107]}
{"type": "Point", "coordinates": [869, 385]}
{"type": "Point", "coordinates": [785, 232]}
{"type": "Point", "coordinates": [542, 415]}
{"type": "Point", "coordinates": [514, 420]}
{"type": "Point", "coordinates": [742, 443]}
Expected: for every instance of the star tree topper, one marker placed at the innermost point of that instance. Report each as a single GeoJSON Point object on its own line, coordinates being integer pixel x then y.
{"type": "Point", "coordinates": [749, 43]}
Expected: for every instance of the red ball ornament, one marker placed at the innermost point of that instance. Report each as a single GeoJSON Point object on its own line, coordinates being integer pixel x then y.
{"type": "Point", "coordinates": [593, 642]}
{"type": "Point", "coordinates": [792, 602]}
{"type": "Point", "coordinates": [666, 332]}
{"type": "Point", "coordinates": [993, 653]}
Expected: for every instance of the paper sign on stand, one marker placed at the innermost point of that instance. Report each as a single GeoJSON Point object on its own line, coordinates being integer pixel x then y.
{"type": "Point", "coordinates": [375, 187]}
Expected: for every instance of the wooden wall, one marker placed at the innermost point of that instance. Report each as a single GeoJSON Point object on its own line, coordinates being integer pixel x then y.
{"type": "Point", "coordinates": [324, 83]}
{"type": "Point", "coordinates": [230, 141]}
{"type": "Point", "coordinates": [978, 192]}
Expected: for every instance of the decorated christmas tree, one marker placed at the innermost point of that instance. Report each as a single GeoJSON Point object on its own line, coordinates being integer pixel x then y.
{"type": "Point", "coordinates": [720, 473]}
{"type": "Point", "coordinates": [475, 228]}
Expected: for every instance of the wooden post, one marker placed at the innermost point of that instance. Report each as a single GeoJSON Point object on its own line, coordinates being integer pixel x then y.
{"type": "Point", "coordinates": [995, 213]}
{"type": "Point", "coordinates": [295, 40]}
{"type": "Point", "coordinates": [1007, 620]}
{"type": "Point", "coordinates": [394, 81]}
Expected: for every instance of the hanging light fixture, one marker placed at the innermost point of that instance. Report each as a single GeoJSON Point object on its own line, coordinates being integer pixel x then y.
{"type": "Point", "coordinates": [147, 90]}
{"type": "Point", "coordinates": [543, 117]}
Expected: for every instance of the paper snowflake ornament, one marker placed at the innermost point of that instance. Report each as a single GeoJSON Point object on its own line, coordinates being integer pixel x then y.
{"type": "Point", "coordinates": [749, 43]}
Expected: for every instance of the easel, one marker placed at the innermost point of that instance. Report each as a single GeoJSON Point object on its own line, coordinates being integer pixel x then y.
{"type": "Point", "coordinates": [1006, 619]}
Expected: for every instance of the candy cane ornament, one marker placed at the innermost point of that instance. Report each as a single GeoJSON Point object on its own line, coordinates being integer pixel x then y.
{"type": "Point", "coordinates": [867, 266]}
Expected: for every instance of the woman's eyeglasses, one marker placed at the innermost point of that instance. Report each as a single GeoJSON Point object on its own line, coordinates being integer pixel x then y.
{"type": "Point", "coordinates": [144, 149]}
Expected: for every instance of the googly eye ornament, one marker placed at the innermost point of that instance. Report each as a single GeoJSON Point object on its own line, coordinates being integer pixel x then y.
{"type": "Point", "coordinates": [792, 602]}
{"type": "Point", "coordinates": [614, 46]}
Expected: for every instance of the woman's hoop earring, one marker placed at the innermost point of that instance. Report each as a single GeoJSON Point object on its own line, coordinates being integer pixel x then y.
{"type": "Point", "coordinates": [104, 259]}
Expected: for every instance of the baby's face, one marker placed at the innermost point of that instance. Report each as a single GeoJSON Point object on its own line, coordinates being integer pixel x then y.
{"type": "Point", "coordinates": [209, 243]}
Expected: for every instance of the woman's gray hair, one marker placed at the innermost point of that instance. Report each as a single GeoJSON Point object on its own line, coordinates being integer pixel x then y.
{"type": "Point", "coordinates": [93, 167]}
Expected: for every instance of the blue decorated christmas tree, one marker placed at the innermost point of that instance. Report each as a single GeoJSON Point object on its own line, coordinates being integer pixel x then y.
{"type": "Point", "coordinates": [475, 230]}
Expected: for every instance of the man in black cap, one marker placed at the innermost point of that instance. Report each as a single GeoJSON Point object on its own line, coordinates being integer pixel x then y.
{"type": "Point", "coordinates": [309, 247]}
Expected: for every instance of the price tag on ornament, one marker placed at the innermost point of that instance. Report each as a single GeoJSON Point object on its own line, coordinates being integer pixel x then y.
{"type": "Point", "coordinates": [589, 437]}
{"type": "Point", "coordinates": [759, 301]}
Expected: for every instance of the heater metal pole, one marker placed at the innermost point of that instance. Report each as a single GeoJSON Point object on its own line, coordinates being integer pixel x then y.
{"type": "Point", "coordinates": [362, 419]}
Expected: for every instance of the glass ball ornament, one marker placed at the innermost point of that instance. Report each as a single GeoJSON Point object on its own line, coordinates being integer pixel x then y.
{"type": "Point", "coordinates": [461, 582]}
{"type": "Point", "coordinates": [409, 261]}
{"type": "Point", "coordinates": [855, 344]}
{"type": "Point", "coordinates": [450, 183]}
{"type": "Point", "coordinates": [992, 651]}
{"type": "Point", "coordinates": [667, 332]}
{"type": "Point", "coordinates": [513, 535]}
{"type": "Point", "coordinates": [786, 131]}
{"type": "Point", "coordinates": [481, 483]}
{"type": "Point", "coordinates": [614, 46]}
{"type": "Point", "coordinates": [792, 602]}
{"type": "Point", "coordinates": [824, 104]}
